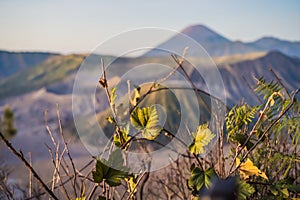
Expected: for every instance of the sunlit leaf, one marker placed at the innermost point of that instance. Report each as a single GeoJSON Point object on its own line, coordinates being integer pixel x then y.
{"type": "Point", "coordinates": [248, 169]}
{"type": "Point", "coordinates": [202, 137]}
{"type": "Point", "coordinates": [151, 133]}
{"type": "Point", "coordinates": [131, 185]}
{"type": "Point", "coordinates": [146, 120]}
{"type": "Point", "coordinates": [272, 101]}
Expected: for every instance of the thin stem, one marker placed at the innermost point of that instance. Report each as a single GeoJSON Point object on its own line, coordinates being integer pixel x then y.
{"type": "Point", "coordinates": [30, 175]}
{"type": "Point", "coordinates": [66, 181]}
{"type": "Point", "coordinates": [280, 82]}
{"type": "Point", "coordinates": [93, 191]}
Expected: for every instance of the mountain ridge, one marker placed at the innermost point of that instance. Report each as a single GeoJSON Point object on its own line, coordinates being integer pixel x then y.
{"type": "Point", "coordinates": [217, 45]}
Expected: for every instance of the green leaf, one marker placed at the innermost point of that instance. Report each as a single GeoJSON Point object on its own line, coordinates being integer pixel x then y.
{"type": "Point", "coordinates": [111, 171]}
{"type": "Point", "coordinates": [238, 120]}
{"type": "Point", "coordinates": [245, 190]}
{"type": "Point", "coordinates": [146, 120]}
{"type": "Point", "coordinates": [113, 96]}
{"type": "Point", "coordinates": [293, 188]}
{"type": "Point", "coordinates": [202, 137]}
{"type": "Point", "coordinates": [241, 139]}
{"type": "Point", "coordinates": [101, 171]}
{"type": "Point", "coordinates": [200, 178]}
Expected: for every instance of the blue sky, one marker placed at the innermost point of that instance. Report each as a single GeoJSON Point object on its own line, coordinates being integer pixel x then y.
{"type": "Point", "coordinates": [79, 26]}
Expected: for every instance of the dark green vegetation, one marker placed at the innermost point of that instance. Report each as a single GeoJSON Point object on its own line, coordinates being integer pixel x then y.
{"type": "Point", "coordinates": [7, 126]}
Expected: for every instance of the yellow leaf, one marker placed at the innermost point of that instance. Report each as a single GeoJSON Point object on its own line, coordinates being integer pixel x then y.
{"type": "Point", "coordinates": [248, 169]}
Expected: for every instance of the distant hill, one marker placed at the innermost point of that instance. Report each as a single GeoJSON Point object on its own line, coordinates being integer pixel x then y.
{"type": "Point", "coordinates": [217, 45]}
{"type": "Point", "coordinates": [13, 62]}
{"type": "Point", "coordinates": [53, 70]}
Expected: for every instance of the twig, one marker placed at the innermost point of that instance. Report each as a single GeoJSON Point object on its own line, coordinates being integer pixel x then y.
{"type": "Point", "coordinates": [104, 84]}
{"type": "Point", "coordinates": [66, 181]}
{"type": "Point", "coordinates": [58, 159]}
{"type": "Point", "coordinates": [251, 89]}
{"type": "Point", "coordinates": [21, 157]}
{"type": "Point", "coordinates": [280, 82]}
{"type": "Point", "coordinates": [143, 182]}
{"type": "Point", "coordinates": [56, 164]}
{"type": "Point", "coordinates": [67, 148]}
{"type": "Point", "coordinates": [180, 62]}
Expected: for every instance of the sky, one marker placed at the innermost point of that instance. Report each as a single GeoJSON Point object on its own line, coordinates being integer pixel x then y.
{"type": "Point", "coordinates": [80, 26]}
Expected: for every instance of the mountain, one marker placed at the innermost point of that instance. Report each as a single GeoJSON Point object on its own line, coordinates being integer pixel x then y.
{"type": "Point", "coordinates": [271, 44]}
{"type": "Point", "coordinates": [217, 45]}
{"type": "Point", "coordinates": [205, 35]}
{"type": "Point", "coordinates": [13, 62]}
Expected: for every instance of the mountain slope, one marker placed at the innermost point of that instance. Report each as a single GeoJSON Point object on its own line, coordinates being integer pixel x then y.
{"type": "Point", "coordinates": [13, 62]}
{"type": "Point", "coordinates": [238, 76]}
